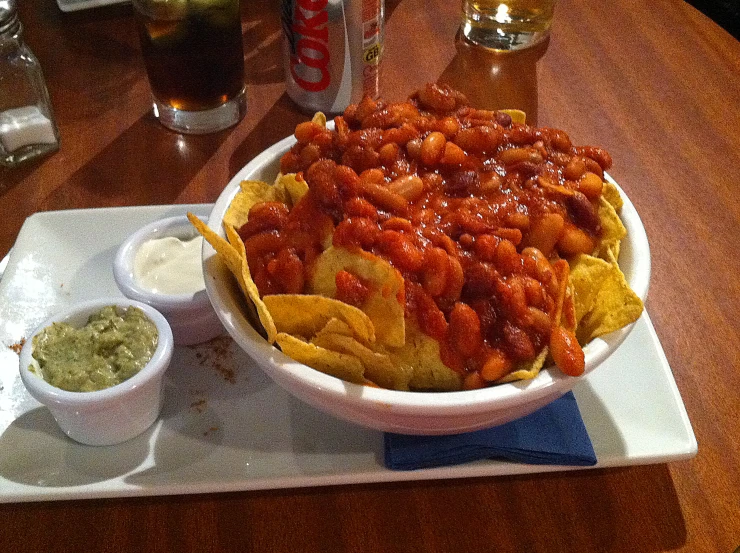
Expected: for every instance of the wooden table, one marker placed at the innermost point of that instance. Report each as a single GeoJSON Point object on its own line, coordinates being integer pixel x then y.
{"type": "Point", "coordinates": [655, 83]}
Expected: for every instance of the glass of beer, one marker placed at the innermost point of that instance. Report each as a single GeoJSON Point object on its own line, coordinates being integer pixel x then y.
{"type": "Point", "coordinates": [195, 62]}
{"type": "Point", "coordinates": [507, 24]}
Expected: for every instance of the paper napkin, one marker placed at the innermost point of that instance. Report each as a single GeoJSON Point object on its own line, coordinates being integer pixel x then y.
{"type": "Point", "coordinates": [554, 435]}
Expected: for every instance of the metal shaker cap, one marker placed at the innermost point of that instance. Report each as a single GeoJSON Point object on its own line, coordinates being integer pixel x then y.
{"type": "Point", "coordinates": [8, 16]}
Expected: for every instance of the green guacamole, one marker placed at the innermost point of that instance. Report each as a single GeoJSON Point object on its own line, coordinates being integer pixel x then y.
{"type": "Point", "coordinates": [113, 346]}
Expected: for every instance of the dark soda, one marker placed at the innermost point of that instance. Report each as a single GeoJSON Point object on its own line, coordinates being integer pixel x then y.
{"type": "Point", "coordinates": [192, 51]}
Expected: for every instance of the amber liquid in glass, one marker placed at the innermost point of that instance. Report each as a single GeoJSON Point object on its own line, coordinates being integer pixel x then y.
{"type": "Point", "coordinates": [507, 24]}
{"type": "Point", "coordinates": [193, 56]}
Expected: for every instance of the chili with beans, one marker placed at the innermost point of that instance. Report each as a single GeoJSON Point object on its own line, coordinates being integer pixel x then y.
{"type": "Point", "coordinates": [474, 210]}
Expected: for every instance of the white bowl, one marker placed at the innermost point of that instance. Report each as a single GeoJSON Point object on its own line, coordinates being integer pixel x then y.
{"type": "Point", "coordinates": [191, 316]}
{"type": "Point", "coordinates": [112, 415]}
{"type": "Point", "coordinates": [395, 411]}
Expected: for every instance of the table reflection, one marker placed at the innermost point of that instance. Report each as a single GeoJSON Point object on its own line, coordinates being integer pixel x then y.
{"type": "Point", "coordinates": [496, 79]}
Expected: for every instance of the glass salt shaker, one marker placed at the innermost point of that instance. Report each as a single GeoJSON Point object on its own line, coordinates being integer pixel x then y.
{"type": "Point", "coordinates": [27, 127]}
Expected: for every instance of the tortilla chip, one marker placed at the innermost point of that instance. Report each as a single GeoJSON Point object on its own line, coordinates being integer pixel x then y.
{"type": "Point", "coordinates": [611, 194]}
{"type": "Point", "coordinates": [339, 365]}
{"type": "Point", "coordinates": [604, 301]}
{"type": "Point", "coordinates": [248, 285]}
{"type": "Point", "coordinates": [335, 326]}
{"type": "Point", "coordinates": [305, 315]}
{"type": "Point", "coordinates": [233, 255]}
{"type": "Point", "coordinates": [252, 192]}
{"type": "Point", "coordinates": [421, 354]}
{"type": "Point", "coordinates": [385, 305]}
{"type": "Point", "coordinates": [527, 370]}
{"type": "Point", "coordinates": [379, 367]}
{"type": "Point", "coordinates": [319, 118]}
{"type": "Point", "coordinates": [295, 188]}
{"type": "Point", "coordinates": [517, 115]}
{"type": "Point", "coordinates": [613, 231]}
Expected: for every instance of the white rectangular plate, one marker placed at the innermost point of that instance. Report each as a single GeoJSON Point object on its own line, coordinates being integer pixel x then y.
{"type": "Point", "coordinates": [226, 426]}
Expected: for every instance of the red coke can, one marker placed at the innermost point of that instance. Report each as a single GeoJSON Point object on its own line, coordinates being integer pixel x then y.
{"type": "Point", "coordinates": [332, 51]}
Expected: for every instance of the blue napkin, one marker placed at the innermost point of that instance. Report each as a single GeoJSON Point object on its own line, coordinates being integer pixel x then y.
{"type": "Point", "coordinates": [554, 435]}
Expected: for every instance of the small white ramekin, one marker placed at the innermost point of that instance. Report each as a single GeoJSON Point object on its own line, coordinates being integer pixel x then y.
{"type": "Point", "coordinates": [191, 316]}
{"type": "Point", "coordinates": [112, 415]}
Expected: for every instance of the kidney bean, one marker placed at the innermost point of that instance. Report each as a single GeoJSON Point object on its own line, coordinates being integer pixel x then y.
{"type": "Point", "coordinates": [473, 381]}
{"type": "Point", "coordinates": [485, 247]}
{"type": "Point", "coordinates": [356, 231]}
{"type": "Point", "coordinates": [351, 289]}
{"type": "Point", "coordinates": [400, 135]}
{"type": "Point", "coordinates": [513, 235]}
{"type": "Point", "coordinates": [574, 241]}
{"type": "Point", "coordinates": [423, 217]}
{"type": "Point", "coordinates": [305, 131]}
{"type": "Point", "coordinates": [520, 134]}
{"type": "Point", "coordinates": [430, 317]}
{"type": "Point", "coordinates": [543, 270]}
{"type": "Point", "coordinates": [413, 147]}
{"type": "Point", "coordinates": [599, 155]}
{"type": "Point", "coordinates": [514, 156]}
{"type": "Point", "coordinates": [539, 321]}
{"type": "Point", "coordinates": [373, 175]}
{"type": "Point", "coordinates": [388, 153]}
{"type": "Point", "coordinates": [437, 98]}
{"type": "Point", "coordinates": [455, 278]}
{"type": "Point", "coordinates": [360, 207]}
{"type": "Point", "coordinates": [518, 220]}
{"type": "Point", "coordinates": [264, 216]}
{"type": "Point", "coordinates": [435, 271]}
{"type": "Point", "coordinates": [480, 280]}
{"type": "Point", "coordinates": [591, 185]}
{"type": "Point", "coordinates": [310, 153]}
{"type": "Point", "coordinates": [464, 330]}
{"type": "Point", "coordinates": [583, 213]}
{"type": "Point", "coordinates": [453, 154]}
{"type": "Point", "coordinates": [559, 139]}
{"type": "Point", "coordinates": [263, 243]}
{"type": "Point", "coordinates": [534, 292]}
{"type": "Point", "coordinates": [575, 169]}
{"type": "Point", "coordinates": [516, 297]}
{"type": "Point", "coordinates": [397, 223]}
{"type": "Point", "coordinates": [448, 126]}
{"type": "Point", "coordinates": [440, 239]}
{"type": "Point", "coordinates": [544, 232]}
{"type": "Point", "coordinates": [479, 140]}
{"type": "Point", "coordinates": [402, 253]}
{"type": "Point", "coordinates": [518, 342]}
{"type": "Point", "coordinates": [461, 182]}
{"type": "Point", "coordinates": [288, 271]}
{"type": "Point", "coordinates": [410, 187]}
{"type": "Point", "coordinates": [561, 159]}
{"type": "Point", "coordinates": [466, 240]}
{"type": "Point", "coordinates": [506, 258]}
{"type": "Point", "coordinates": [497, 365]}
{"type": "Point", "coordinates": [364, 109]}
{"type": "Point", "coordinates": [347, 181]}
{"type": "Point", "coordinates": [503, 119]}
{"type": "Point", "coordinates": [432, 148]}
{"type": "Point", "coordinates": [594, 167]}
{"type": "Point", "coordinates": [384, 198]}
{"type": "Point", "coordinates": [490, 182]}
{"type": "Point", "coordinates": [391, 115]}
{"type": "Point", "coordinates": [360, 158]}
{"type": "Point", "coordinates": [567, 352]}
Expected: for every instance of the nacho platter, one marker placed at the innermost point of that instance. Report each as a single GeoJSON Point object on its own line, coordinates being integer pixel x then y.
{"type": "Point", "coordinates": [225, 425]}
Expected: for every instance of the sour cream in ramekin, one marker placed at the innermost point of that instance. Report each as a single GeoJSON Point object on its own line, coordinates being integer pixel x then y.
{"type": "Point", "coordinates": [160, 266]}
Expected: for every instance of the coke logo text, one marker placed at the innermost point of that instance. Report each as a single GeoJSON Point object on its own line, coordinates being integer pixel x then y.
{"type": "Point", "coordinates": [312, 49]}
